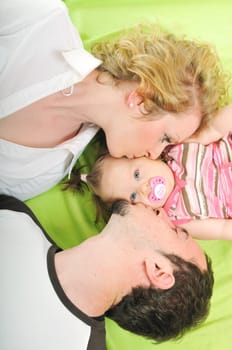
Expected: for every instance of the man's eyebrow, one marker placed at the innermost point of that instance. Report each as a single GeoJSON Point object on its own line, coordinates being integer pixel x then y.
{"type": "Point", "coordinates": [184, 230]}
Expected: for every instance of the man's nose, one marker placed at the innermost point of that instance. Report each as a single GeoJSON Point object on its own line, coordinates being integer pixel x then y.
{"type": "Point", "coordinates": [162, 214]}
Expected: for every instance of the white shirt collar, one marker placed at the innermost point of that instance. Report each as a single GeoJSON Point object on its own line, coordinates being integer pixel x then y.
{"type": "Point", "coordinates": [81, 61]}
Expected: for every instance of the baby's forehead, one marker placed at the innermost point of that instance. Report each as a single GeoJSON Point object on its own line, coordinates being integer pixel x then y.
{"type": "Point", "coordinates": [112, 161]}
{"type": "Point", "coordinates": [125, 164]}
{"type": "Point", "coordinates": [114, 169]}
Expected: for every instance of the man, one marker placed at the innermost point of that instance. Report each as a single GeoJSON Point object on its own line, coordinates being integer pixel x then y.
{"type": "Point", "coordinates": [141, 271]}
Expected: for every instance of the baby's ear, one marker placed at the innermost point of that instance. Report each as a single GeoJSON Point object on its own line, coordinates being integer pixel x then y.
{"type": "Point", "coordinates": [159, 270]}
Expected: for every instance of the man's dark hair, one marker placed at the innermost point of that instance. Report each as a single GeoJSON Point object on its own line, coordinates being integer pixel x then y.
{"type": "Point", "coordinates": [167, 314]}
{"type": "Point", "coordinates": [120, 207]}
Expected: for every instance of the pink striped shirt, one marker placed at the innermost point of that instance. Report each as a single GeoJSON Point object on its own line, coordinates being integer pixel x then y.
{"type": "Point", "coordinates": [203, 176]}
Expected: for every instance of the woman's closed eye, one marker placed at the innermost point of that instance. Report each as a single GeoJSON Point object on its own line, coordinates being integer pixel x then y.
{"type": "Point", "coordinates": [166, 139]}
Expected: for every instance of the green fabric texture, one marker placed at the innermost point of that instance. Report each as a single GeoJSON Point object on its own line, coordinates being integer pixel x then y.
{"type": "Point", "coordinates": [69, 218]}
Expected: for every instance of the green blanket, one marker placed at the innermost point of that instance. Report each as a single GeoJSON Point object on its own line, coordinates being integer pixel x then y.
{"type": "Point", "coordinates": [69, 218]}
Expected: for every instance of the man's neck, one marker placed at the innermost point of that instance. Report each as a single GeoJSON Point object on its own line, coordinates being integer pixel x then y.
{"type": "Point", "coordinates": [96, 274]}
{"type": "Point", "coordinates": [84, 280]}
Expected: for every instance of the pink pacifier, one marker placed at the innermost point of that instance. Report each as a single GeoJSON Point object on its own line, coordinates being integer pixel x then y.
{"type": "Point", "coordinates": [158, 189]}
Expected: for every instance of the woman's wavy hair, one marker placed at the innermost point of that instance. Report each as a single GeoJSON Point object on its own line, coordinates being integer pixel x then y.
{"type": "Point", "coordinates": [173, 73]}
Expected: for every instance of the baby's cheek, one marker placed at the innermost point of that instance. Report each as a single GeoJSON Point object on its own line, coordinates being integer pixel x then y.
{"type": "Point", "coordinates": [146, 202]}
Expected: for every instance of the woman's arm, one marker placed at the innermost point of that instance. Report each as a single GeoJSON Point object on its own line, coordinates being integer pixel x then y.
{"type": "Point", "coordinates": [210, 229]}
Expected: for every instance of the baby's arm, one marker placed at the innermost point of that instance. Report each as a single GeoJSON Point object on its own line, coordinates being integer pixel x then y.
{"type": "Point", "coordinates": [219, 127]}
{"type": "Point", "coordinates": [210, 229]}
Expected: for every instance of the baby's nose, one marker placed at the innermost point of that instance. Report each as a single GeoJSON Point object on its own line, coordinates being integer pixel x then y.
{"type": "Point", "coordinates": [145, 188]}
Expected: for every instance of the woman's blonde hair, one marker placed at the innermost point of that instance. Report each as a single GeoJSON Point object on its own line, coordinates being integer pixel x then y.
{"type": "Point", "coordinates": [171, 71]}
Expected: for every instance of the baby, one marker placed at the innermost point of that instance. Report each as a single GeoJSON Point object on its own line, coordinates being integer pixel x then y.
{"type": "Point", "coordinates": [192, 181]}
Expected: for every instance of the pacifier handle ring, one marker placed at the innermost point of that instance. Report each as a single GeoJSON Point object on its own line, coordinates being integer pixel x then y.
{"type": "Point", "coordinates": [158, 189]}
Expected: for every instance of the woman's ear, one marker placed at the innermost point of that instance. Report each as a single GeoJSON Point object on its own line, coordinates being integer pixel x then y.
{"type": "Point", "coordinates": [134, 100]}
{"type": "Point", "coordinates": [159, 271]}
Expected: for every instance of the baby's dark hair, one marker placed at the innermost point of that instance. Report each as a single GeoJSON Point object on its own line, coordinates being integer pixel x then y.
{"type": "Point", "coordinates": [92, 180]}
{"type": "Point", "coordinates": [79, 182]}
{"type": "Point", "coordinates": [75, 183]}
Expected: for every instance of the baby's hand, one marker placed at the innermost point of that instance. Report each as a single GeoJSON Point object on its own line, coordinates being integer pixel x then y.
{"type": "Point", "coordinates": [205, 137]}
{"type": "Point", "coordinates": [220, 125]}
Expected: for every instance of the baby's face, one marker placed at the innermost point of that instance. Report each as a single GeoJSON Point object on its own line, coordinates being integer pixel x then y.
{"type": "Point", "coordinates": [139, 180]}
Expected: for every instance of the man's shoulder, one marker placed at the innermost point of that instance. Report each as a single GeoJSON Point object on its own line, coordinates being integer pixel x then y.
{"type": "Point", "coordinates": [16, 218]}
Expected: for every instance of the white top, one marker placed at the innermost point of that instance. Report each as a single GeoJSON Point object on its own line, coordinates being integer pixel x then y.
{"type": "Point", "coordinates": [34, 310]}
{"type": "Point", "coordinates": [40, 53]}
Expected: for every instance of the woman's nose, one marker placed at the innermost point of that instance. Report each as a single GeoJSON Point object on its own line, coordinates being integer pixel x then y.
{"type": "Point", "coordinates": [155, 153]}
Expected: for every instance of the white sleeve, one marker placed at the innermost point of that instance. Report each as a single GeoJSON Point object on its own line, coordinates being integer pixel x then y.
{"type": "Point", "coordinates": [16, 14]}
{"type": "Point", "coordinates": [33, 35]}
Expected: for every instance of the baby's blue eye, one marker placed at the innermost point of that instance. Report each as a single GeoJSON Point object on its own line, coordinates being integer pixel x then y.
{"type": "Point", "coordinates": [136, 174]}
{"type": "Point", "coordinates": [133, 196]}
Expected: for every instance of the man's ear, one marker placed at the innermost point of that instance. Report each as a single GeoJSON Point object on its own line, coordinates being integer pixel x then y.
{"type": "Point", "coordinates": [134, 100]}
{"type": "Point", "coordinates": [159, 271]}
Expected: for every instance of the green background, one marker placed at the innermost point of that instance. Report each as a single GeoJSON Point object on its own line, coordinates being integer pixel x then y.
{"type": "Point", "coordinates": [69, 218]}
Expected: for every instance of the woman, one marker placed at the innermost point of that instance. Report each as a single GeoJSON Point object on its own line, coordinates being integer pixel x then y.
{"type": "Point", "coordinates": [145, 90]}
